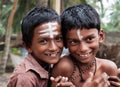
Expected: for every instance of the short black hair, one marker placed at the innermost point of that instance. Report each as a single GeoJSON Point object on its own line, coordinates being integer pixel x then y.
{"type": "Point", "coordinates": [79, 17]}
{"type": "Point", "coordinates": [35, 17]}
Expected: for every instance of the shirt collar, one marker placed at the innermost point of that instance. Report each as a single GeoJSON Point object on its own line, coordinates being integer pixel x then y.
{"type": "Point", "coordinates": [32, 64]}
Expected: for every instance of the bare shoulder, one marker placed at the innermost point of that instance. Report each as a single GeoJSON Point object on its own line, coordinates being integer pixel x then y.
{"type": "Point", "coordinates": [108, 66]}
{"type": "Point", "coordinates": [64, 67]}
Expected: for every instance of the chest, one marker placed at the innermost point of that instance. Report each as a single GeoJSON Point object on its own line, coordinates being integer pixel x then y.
{"type": "Point", "coordinates": [79, 77]}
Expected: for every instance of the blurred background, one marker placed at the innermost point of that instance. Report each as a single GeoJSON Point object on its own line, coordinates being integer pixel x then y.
{"type": "Point", "coordinates": [12, 11]}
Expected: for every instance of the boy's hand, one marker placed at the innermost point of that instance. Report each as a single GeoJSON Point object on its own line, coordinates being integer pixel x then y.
{"type": "Point", "coordinates": [101, 81]}
{"type": "Point", "coordinates": [61, 82]}
{"type": "Point", "coordinates": [114, 81]}
{"type": "Point", "coordinates": [118, 72]}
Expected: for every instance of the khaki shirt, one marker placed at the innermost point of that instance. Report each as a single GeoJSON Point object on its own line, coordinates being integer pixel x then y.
{"type": "Point", "coordinates": [29, 74]}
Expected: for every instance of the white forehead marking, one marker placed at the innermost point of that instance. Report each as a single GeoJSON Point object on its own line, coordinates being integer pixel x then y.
{"type": "Point", "coordinates": [78, 34]}
{"type": "Point", "coordinates": [50, 31]}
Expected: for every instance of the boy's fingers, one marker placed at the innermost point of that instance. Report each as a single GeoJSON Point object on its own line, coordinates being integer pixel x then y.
{"type": "Point", "coordinates": [101, 81]}
{"type": "Point", "coordinates": [114, 78]}
{"type": "Point", "coordinates": [114, 81]}
{"type": "Point", "coordinates": [61, 81]}
{"type": "Point", "coordinates": [66, 84]}
{"type": "Point", "coordinates": [64, 79]}
{"type": "Point", "coordinates": [90, 78]}
{"type": "Point", "coordinates": [52, 78]}
{"type": "Point", "coordinates": [57, 79]}
{"type": "Point", "coordinates": [115, 84]}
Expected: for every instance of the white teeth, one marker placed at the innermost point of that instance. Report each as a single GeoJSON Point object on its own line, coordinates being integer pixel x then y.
{"type": "Point", "coordinates": [85, 55]}
{"type": "Point", "coordinates": [53, 55]}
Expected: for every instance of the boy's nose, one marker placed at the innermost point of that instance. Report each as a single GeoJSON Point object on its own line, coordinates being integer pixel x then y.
{"type": "Point", "coordinates": [83, 47]}
{"type": "Point", "coordinates": [52, 46]}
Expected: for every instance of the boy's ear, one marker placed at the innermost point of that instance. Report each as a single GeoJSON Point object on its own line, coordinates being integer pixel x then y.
{"type": "Point", "coordinates": [101, 36]}
{"type": "Point", "coordinates": [27, 48]}
{"type": "Point", "coordinates": [24, 45]}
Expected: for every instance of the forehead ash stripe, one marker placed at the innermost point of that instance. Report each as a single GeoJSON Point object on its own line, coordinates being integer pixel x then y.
{"type": "Point", "coordinates": [79, 36]}
{"type": "Point", "coordinates": [46, 34]}
{"type": "Point", "coordinates": [50, 31]}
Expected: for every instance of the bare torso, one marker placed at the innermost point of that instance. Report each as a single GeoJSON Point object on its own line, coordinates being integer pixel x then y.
{"type": "Point", "coordinates": [66, 67]}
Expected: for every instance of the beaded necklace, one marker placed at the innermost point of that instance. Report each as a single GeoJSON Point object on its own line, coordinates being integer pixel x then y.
{"type": "Point", "coordinates": [82, 71]}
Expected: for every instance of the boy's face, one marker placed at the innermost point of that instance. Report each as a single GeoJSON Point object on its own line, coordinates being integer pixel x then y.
{"type": "Point", "coordinates": [84, 44]}
{"type": "Point", "coordinates": [47, 42]}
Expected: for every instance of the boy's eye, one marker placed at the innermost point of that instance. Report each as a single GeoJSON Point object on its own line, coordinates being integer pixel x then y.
{"type": "Point", "coordinates": [89, 39]}
{"type": "Point", "coordinates": [43, 41]}
{"type": "Point", "coordinates": [73, 42]}
{"type": "Point", "coordinates": [59, 38]}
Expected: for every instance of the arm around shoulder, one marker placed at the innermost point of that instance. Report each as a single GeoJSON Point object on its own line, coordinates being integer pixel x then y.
{"type": "Point", "coordinates": [63, 68]}
{"type": "Point", "coordinates": [61, 73]}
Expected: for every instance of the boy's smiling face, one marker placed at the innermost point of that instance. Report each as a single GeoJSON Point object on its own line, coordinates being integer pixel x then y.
{"type": "Point", "coordinates": [47, 42]}
{"type": "Point", "coordinates": [84, 44]}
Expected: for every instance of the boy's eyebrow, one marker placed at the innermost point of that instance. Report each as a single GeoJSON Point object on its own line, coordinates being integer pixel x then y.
{"type": "Point", "coordinates": [90, 35]}
{"type": "Point", "coordinates": [70, 38]}
{"type": "Point", "coordinates": [94, 34]}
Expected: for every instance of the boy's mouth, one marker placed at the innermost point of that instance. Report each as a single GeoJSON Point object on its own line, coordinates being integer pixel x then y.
{"type": "Point", "coordinates": [85, 55]}
{"type": "Point", "coordinates": [52, 54]}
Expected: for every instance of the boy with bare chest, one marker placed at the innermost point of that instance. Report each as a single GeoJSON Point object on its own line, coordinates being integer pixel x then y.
{"type": "Point", "coordinates": [82, 35]}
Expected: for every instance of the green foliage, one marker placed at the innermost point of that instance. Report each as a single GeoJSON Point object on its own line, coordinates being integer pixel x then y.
{"type": "Point", "coordinates": [5, 12]}
{"type": "Point", "coordinates": [115, 17]}
{"type": "Point", "coordinates": [110, 16]}
{"type": "Point", "coordinates": [1, 54]}
{"type": "Point", "coordinates": [16, 51]}
{"type": "Point", "coordinates": [23, 7]}
{"type": "Point", "coordinates": [68, 3]}
{"type": "Point", "coordinates": [2, 30]}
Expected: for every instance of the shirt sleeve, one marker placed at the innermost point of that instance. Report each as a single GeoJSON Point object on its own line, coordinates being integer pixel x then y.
{"type": "Point", "coordinates": [22, 81]}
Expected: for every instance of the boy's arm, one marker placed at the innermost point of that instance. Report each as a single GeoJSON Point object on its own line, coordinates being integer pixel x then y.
{"type": "Point", "coordinates": [63, 68]}
{"type": "Point", "coordinates": [19, 81]}
{"type": "Point", "coordinates": [22, 80]}
{"type": "Point", "coordinates": [114, 80]}
{"type": "Point", "coordinates": [61, 71]}
{"type": "Point", "coordinates": [101, 81]}
{"type": "Point", "coordinates": [109, 67]}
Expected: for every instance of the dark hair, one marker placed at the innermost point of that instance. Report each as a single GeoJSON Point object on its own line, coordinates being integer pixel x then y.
{"type": "Point", "coordinates": [79, 17]}
{"type": "Point", "coordinates": [35, 17]}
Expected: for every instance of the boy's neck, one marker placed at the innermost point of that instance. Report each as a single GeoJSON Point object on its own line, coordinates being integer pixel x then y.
{"type": "Point", "coordinates": [46, 66]}
{"type": "Point", "coordinates": [84, 66]}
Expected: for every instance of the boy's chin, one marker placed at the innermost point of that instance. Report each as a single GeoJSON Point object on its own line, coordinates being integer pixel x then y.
{"type": "Point", "coordinates": [53, 61]}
